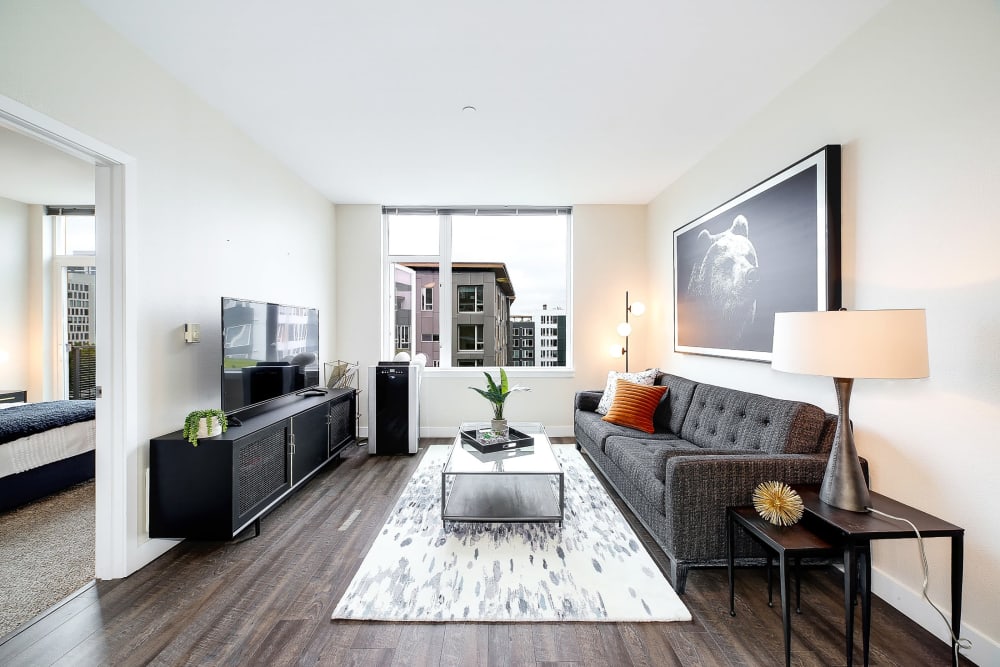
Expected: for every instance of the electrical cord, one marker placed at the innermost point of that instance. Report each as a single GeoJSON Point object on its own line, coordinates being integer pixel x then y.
{"type": "Point", "coordinates": [957, 642]}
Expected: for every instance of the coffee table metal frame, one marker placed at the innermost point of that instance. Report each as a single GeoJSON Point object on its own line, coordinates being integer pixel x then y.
{"type": "Point", "coordinates": [522, 485]}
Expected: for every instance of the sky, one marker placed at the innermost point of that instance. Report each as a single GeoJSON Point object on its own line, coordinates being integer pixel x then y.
{"type": "Point", "coordinates": [532, 247]}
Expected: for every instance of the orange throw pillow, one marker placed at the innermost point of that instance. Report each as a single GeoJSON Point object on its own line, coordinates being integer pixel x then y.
{"type": "Point", "coordinates": [634, 405]}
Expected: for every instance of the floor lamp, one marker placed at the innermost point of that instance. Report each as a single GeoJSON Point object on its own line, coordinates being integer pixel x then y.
{"type": "Point", "coordinates": [844, 345]}
{"type": "Point", "coordinates": [625, 329]}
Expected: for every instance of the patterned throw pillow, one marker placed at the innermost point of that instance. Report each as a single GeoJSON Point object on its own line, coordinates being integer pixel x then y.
{"type": "Point", "coordinates": [647, 377]}
{"type": "Point", "coordinates": [634, 405]}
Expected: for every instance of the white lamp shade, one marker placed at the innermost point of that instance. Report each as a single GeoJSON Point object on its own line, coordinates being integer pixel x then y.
{"type": "Point", "coordinates": [637, 308]}
{"type": "Point", "coordinates": [852, 343]}
{"type": "Point", "coordinates": [624, 329]}
{"type": "Point", "coordinates": [616, 351]}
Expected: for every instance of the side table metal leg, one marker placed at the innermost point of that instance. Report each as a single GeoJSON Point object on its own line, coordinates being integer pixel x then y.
{"type": "Point", "coordinates": [798, 585]}
{"type": "Point", "coordinates": [786, 607]}
{"type": "Point", "coordinates": [957, 567]}
{"type": "Point", "coordinates": [770, 586]}
{"type": "Point", "coordinates": [865, 573]}
{"type": "Point", "coordinates": [731, 548]}
{"type": "Point", "coordinates": [850, 588]}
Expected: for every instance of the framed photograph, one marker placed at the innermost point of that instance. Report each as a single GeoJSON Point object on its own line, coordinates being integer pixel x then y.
{"type": "Point", "coordinates": [774, 248]}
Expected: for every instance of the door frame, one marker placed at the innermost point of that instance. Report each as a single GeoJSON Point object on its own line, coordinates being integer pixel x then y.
{"type": "Point", "coordinates": [117, 485]}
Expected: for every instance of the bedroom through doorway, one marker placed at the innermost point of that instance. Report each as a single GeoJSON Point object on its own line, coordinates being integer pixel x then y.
{"type": "Point", "coordinates": [48, 544]}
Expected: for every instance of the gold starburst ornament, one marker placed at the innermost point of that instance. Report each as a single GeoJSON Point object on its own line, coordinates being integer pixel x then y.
{"type": "Point", "coordinates": [777, 503]}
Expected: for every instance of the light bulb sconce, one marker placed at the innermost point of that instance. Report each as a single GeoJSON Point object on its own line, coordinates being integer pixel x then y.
{"type": "Point", "coordinates": [625, 329]}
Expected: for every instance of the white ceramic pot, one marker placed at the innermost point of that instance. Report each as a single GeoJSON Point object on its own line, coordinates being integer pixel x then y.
{"type": "Point", "coordinates": [209, 430]}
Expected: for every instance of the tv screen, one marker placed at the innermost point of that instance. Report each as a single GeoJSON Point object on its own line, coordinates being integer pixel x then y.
{"type": "Point", "coordinates": [269, 350]}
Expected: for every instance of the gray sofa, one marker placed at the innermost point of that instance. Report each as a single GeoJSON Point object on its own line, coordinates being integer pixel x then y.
{"type": "Point", "coordinates": [710, 448]}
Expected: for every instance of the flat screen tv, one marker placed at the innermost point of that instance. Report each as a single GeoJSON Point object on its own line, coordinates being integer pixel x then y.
{"type": "Point", "coordinates": [269, 350]}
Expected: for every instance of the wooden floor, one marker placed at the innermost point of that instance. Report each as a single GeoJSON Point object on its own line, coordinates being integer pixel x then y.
{"type": "Point", "coordinates": [268, 600]}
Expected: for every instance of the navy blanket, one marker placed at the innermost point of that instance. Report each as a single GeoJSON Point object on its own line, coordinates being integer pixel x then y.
{"type": "Point", "coordinates": [20, 421]}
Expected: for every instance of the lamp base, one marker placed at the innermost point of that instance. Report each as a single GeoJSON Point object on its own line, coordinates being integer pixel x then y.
{"type": "Point", "coordinates": [844, 484]}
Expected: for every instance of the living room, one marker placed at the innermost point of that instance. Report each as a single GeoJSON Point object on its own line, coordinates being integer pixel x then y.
{"type": "Point", "coordinates": [910, 97]}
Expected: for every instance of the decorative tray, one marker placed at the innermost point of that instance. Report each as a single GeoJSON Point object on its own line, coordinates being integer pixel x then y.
{"type": "Point", "coordinates": [484, 440]}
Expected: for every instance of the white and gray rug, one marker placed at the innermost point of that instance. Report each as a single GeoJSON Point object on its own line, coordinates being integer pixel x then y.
{"type": "Point", "coordinates": [593, 568]}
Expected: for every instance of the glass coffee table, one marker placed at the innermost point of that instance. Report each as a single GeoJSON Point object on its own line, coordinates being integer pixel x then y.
{"type": "Point", "coordinates": [517, 485]}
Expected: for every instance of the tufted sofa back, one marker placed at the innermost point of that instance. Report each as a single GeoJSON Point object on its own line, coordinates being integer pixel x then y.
{"type": "Point", "coordinates": [721, 418]}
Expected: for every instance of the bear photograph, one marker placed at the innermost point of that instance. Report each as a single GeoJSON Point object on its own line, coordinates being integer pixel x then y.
{"type": "Point", "coordinates": [767, 251]}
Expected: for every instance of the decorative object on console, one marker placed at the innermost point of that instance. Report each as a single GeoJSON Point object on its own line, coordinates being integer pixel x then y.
{"type": "Point", "coordinates": [625, 329]}
{"type": "Point", "coordinates": [204, 424]}
{"type": "Point", "coordinates": [724, 301]}
{"type": "Point", "coordinates": [777, 503]}
{"type": "Point", "coordinates": [844, 345]}
{"type": "Point", "coordinates": [497, 395]}
{"type": "Point", "coordinates": [634, 405]}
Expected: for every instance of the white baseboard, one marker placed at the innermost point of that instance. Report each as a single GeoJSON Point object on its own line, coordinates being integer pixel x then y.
{"type": "Point", "coordinates": [984, 651]}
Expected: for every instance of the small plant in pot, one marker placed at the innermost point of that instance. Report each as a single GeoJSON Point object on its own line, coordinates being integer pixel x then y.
{"type": "Point", "coordinates": [204, 424]}
{"type": "Point", "coordinates": [496, 394]}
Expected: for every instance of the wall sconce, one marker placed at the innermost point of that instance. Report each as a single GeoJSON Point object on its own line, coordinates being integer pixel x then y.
{"type": "Point", "coordinates": [625, 329]}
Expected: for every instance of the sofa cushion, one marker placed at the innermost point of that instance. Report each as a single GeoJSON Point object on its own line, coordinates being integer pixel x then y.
{"type": "Point", "coordinates": [647, 377]}
{"type": "Point", "coordinates": [645, 462]}
{"type": "Point", "coordinates": [670, 414]}
{"type": "Point", "coordinates": [592, 426]}
{"type": "Point", "coordinates": [634, 405]}
{"type": "Point", "coordinates": [721, 418]}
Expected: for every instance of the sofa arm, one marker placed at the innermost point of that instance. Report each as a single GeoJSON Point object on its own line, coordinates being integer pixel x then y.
{"type": "Point", "coordinates": [588, 400]}
{"type": "Point", "coordinates": [699, 488]}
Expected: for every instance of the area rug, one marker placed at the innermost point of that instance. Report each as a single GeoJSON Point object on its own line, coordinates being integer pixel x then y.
{"type": "Point", "coordinates": [46, 553]}
{"type": "Point", "coordinates": [593, 568]}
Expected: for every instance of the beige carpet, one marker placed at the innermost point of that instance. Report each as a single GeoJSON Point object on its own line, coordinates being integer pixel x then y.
{"type": "Point", "coordinates": [46, 553]}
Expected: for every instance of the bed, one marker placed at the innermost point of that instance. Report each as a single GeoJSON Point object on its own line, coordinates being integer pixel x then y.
{"type": "Point", "coordinates": [44, 447]}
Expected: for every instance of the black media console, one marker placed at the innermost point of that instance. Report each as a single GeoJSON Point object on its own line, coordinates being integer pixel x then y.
{"type": "Point", "coordinates": [216, 490]}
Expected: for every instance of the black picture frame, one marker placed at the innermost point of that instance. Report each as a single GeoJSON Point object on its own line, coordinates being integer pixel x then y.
{"type": "Point", "coordinates": [773, 248]}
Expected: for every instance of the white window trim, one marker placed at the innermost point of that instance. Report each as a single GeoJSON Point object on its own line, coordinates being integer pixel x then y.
{"type": "Point", "coordinates": [445, 305]}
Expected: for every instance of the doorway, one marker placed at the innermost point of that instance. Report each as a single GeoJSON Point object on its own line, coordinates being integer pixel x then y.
{"type": "Point", "coordinates": [117, 552]}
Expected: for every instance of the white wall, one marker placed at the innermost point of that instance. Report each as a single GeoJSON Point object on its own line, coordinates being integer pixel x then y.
{"type": "Point", "coordinates": [216, 215]}
{"type": "Point", "coordinates": [14, 230]}
{"type": "Point", "coordinates": [913, 99]}
{"type": "Point", "coordinates": [609, 258]}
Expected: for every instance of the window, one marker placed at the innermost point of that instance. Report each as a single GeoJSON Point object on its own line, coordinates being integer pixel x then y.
{"type": "Point", "coordinates": [470, 337]}
{"type": "Point", "coordinates": [470, 298]}
{"type": "Point", "coordinates": [489, 268]}
{"type": "Point", "coordinates": [429, 337]}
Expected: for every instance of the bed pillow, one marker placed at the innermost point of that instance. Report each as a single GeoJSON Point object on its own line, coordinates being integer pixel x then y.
{"type": "Point", "coordinates": [646, 377]}
{"type": "Point", "coordinates": [634, 405]}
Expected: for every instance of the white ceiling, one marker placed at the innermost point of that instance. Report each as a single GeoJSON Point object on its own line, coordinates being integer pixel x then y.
{"type": "Point", "coordinates": [578, 101]}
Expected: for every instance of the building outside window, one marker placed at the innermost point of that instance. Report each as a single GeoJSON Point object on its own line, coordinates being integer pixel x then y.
{"type": "Point", "coordinates": [478, 272]}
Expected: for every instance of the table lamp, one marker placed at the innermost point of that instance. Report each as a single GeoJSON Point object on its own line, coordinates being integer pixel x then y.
{"type": "Point", "coordinates": [844, 345]}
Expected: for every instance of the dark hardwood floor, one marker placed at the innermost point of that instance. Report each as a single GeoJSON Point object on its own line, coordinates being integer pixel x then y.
{"type": "Point", "coordinates": [268, 600]}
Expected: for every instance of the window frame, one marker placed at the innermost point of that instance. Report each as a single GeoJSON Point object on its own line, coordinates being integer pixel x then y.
{"type": "Point", "coordinates": [445, 286]}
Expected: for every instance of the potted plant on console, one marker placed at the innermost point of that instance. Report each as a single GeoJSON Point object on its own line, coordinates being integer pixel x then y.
{"type": "Point", "coordinates": [497, 394]}
{"type": "Point", "coordinates": [204, 424]}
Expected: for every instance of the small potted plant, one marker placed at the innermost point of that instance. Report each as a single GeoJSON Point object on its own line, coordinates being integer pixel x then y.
{"type": "Point", "coordinates": [204, 424]}
{"type": "Point", "coordinates": [497, 394]}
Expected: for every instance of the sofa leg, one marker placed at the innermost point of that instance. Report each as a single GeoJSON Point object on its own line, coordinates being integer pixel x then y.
{"type": "Point", "coordinates": [678, 575]}
{"type": "Point", "coordinates": [579, 448]}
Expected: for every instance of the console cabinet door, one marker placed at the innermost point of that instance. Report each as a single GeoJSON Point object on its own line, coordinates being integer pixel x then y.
{"type": "Point", "coordinates": [343, 422]}
{"type": "Point", "coordinates": [261, 471]}
{"type": "Point", "coordinates": [309, 430]}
